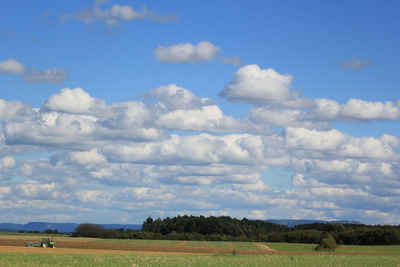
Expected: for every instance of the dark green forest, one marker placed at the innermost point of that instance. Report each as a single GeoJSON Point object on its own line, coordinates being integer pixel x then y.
{"type": "Point", "coordinates": [225, 228]}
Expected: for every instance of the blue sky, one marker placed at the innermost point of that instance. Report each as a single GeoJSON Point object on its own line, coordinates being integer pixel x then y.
{"type": "Point", "coordinates": [256, 109]}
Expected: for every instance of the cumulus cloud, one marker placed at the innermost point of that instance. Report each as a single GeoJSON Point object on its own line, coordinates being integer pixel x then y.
{"type": "Point", "coordinates": [254, 85]}
{"type": "Point", "coordinates": [174, 97]}
{"type": "Point", "coordinates": [302, 138]}
{"type": "Point", "coordinates": [355, 63]}
{"type": "Point", "coordinates": [355, 110]}
{"type": "Point", "coordinates": [13, 110]}
{"type": "Point", "coordinates": [189, 150]}
{"type": "Point", "coordinates": [204, 51]}
{"type": "Point", "coordinates": [260, 186]}
{"type": "Point", "coordinates": [115, 15]}
{"type": "Point", "coordinates": [180, 109]}
{"type": "Point", "coordinates": [6, 163]}
{"type": "Point", "coordinates": [177, 152]}
{"type": "Point", "coordinates": [187, 53]}
{"type": "Point", "coordinates": [12, 66]}
{"type": "Point", "coordinates": [74, 101]}
{"type": "Point", "coordinates": [282, 117]}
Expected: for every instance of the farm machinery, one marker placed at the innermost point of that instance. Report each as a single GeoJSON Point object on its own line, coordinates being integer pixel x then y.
{"type": "Point", "coordinates": [46, 243]}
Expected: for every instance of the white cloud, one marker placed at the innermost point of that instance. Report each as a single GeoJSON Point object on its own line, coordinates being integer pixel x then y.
{"type": "Point", "coordinates": [159, 158]}
{"type": "Point", "coordinates": [302, 138]}
{"type": "Point", "coordinates": [260, 186]}
{"type": "Point", "coordinates": [13, 110]}
{"type": "Point", "coordinates": [30, 190]}
{"type": "Point", "coordinates": [33, 75]}
{"type": "Point", "coordinates": [278, 117]}
{"type": "Point", "coordinates": [190, 150]}
{"type": "Point", "coordinates": [384, 148]}
{"type": "Point", "coordinates": [338, 192]}
{"type": "Point", "coordinates": [12, 66]}
{"type": "Point", "coordinates": [6, 163]}
{"type": "Point", "coordinates": [236, 61]}
{"type": "Point", "coordinates": [86, 157]}
{"type": "Point", "coordinates": [74, 101]}
{"type": "Point", "coordinates": [46, 76]}
{"type": "Point", "coordinates": [262, 87]}
{"type": "Point", "coordinates": [187, 53]}
{"type": "Point", "coordinates": [94, 196]}
{"type": "Point", "coordinates": [367, 110]}
{"type": "Point", "coordinates": [355, 63]}
{"type": "Point", "coordinates": [355, 110]}
{"type": "Point", "coordinates": [114, 15]}
{"type": "Point", "coordinates": [174, 97]}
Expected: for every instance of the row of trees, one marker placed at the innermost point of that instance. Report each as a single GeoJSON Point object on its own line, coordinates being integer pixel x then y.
{"type": "Point", "coordinates": [222, 225]}
{"type": "Point", "coordinates": [225, 228]}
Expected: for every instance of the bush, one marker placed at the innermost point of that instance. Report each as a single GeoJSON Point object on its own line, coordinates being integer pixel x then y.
{"type": "Point", "coordinates": [327, 244]}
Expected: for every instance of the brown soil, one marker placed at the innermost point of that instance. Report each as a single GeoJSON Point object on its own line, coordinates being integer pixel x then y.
{"type": "Point", "coordinates": [111, 248]}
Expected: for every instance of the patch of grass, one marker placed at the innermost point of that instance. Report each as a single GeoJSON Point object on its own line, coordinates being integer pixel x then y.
{"type": "Point", "coordinates": [294, 247]}
{"type": "Point", "coordinates": [369, 249]}
{"type": "Point", "coordinates": [86, 260]}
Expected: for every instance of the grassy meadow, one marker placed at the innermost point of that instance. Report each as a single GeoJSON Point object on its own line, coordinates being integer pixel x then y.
{"type": "Point", "coordinates": [10, 259]}
{"type": "Point", "coordinates": [82, 260]}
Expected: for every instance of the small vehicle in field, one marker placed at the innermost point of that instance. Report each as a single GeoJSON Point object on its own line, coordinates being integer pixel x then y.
{"type": "Point", "coordinates": [46, 243]}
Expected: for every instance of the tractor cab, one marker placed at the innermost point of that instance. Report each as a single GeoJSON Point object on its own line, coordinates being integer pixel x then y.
{"type": "Point", "coordinates": [48, 242]}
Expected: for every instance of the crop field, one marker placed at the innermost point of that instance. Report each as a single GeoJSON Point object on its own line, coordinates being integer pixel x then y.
{"type": "Point", "coordinates": [122, 252]}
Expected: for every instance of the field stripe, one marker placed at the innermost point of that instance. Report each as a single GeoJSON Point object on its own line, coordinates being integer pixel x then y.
{"type": "Point", "coordinates": [16, 249]}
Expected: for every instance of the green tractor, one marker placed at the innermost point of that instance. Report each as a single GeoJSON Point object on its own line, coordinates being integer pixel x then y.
{"type": "Point", "coordinates": [46, 243]}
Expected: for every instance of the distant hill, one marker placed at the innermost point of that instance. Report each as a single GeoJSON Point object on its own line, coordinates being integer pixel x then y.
{"type": "Point", "coordinates": [291, 223]}
{"type": "Point", "coordinates": [66, 228]}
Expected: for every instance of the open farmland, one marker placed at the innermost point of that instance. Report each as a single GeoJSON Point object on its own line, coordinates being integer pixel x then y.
{"type": "Point", "coordinates": [115, 252]}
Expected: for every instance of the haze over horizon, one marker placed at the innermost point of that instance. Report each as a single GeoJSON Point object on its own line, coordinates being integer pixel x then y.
{"type": "Point", "coordinates": [113, 111]}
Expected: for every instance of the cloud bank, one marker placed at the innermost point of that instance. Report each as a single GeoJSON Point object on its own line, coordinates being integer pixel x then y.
{"type": "Point", "coordinates": [175, 152]}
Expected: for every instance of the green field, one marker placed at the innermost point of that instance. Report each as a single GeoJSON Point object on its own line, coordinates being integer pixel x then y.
{"type": "Point", "coordinates": [143, 259]}
{"type": "Point", "coordinates": [290, 247]}
{"type": "Point", "coordinates": [82, 260]}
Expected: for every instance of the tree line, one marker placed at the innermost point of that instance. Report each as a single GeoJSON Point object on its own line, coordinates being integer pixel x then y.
{"type": "Point", "coordinates": [225, 228]}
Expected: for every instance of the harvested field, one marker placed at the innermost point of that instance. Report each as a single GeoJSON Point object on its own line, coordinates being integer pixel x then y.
{"type": "Point", "coordinates": [16, 249]}
{"type": "Point", "coordinates": [90, 247]}
{"type": "Point", "coordinates": [111, 248]}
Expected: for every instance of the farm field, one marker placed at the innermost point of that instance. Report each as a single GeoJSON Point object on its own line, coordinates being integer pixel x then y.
{"type": "Point", "coordinates": [121, 252]}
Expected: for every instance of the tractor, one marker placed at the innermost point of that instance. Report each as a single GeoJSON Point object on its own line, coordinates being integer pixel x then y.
{"type": "Point", "coordinates": [46, 243]}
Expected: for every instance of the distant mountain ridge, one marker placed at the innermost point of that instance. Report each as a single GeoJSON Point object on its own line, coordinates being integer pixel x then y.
{"type": "Point", "coordinates": [68, 228]}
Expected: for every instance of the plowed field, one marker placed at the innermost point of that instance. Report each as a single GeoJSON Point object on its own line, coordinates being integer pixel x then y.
{"type": "Point", "coordinates": [12, 245]}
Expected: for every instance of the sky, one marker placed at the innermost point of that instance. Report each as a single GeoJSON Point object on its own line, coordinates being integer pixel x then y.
{"type": "Point", "coordinates": [114, 111]}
